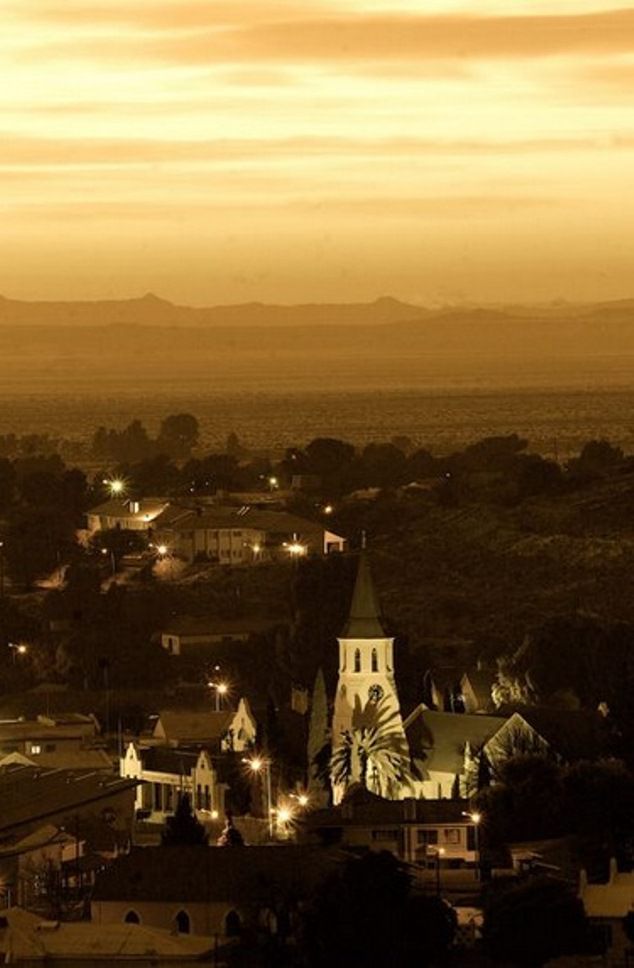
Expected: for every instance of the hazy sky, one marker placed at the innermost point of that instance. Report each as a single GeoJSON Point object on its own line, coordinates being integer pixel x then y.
{"type": "Point", "coordinates": [288, 150]}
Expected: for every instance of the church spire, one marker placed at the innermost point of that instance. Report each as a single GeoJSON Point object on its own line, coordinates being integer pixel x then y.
{"type": "Point", "coordinates": [364, 621]}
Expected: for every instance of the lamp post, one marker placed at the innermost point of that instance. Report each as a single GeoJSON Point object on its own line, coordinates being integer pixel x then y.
{"type": "Point", "coordinates": [221, 689]}
{"type": "Point", "coordinates": [16, 650]}
{"type": "Point", "coordinates": [475, 819]}
{"type": "Point", "coordinates": [113, 560]}
{"type": "Point", "coordinates": [439, 853]}
{"type": "Point", "coordinates": [258, 765]}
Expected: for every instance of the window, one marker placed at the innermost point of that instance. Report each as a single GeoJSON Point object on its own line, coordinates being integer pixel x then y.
{"type": "Point", "coordinates": [183, 922]}
{"type": "Point", "coordinates": [385, 835]}
{"type": "Point", "coordinates": [50, 748]}
{"type": "Point", "coordinates": [199, 797]}
{"type": "Point", "coordinates": [158, 796]}
{"type": "Point", "coordinates": [427, 836]}
{"type": "Point", "coordinates": [233, 924]}
{"type": "Point", "coordinates": [451, 835]}
{"type": "Point", "coordinates": [169, 798]}
{"type": "Point", "coordinates": [357, 660]}
{"type": "Point", "coordinates": [375, 661]}
{"type": "Point", "coordinates": [207, 798]}
{"type": "Point", "coordinates": [132, 918]}
{"type": "Point", "coordinates": [35, 749]}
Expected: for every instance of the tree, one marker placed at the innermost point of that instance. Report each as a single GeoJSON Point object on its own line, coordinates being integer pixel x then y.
{"type": "Point", "coordinates": [374, 752]}
{"type": "Point", "coordinates": [525, 802]}
{"type": "Point", "coordinates": [183, 829]}
{"type": "Point", "coordinates": [178, 435]}
{"type": "Point", "coordinates": [318, 746]}
{"type": "Point", "coordinates": [367, 914]}
{"type": "Point", "coordinates": [530, 923]}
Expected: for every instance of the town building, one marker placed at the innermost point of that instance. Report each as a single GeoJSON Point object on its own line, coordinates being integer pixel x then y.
{"type": "Point", "coordinates": [126, 514]}
{"type": "Point", "coordinates": [210, 890]}
{"type": "Point", "coordinates": [607, 905]}
{"type": "Point", "coordinates": [245, 535]}
{"type": "Point", "coordinates": [62, 741]}
{"type": "Point", "coordinates": [193, 636]}
{"type": "Point", "coordinates": [165, 775]}
{"type": "Point", "coordinates": [428, 833]}
{"type": "Point", "coordinates": [27, 939]}
{"type": "Point", "coordinates": [33, 796]}
{"type": "Point", "coordinates": [228, 730]}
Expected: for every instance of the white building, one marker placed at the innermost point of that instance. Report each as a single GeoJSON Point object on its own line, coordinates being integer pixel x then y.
{"type": "Point", "coordinates": [167, 775]}
{"type": "Point", "coordinates": [127, 514]}
{"type": "Point", "coordinates": [366, 689]}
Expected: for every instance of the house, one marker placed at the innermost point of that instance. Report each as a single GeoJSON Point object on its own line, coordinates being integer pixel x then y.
{"type": "Point", "coordinates": [33, 796]}
{"type": "Point", "coordinates": [237, 536]}
{"type": "Point", "coordinates": [126, 514]}
{"type": "Point", "coordinates": [229, 730]}
{"type": "Point", "coordinates": [440, 742]}
{"type": "Point", "coordinates": [209, 890]}
{"type": "Point", "coordinates": [606, 906]}
{"type": "Point", "coordinates": [27, 939]}
{"type": "Point", "coordinates": [191, 636]}
{"type": "Point", "coordinates": [452, 750]}
{"type": "Point", "coordinates": [166, 774]}
{"type": "Point", "coordinates": [55, 865]}
{"type": "Point", "coordinates": [63, 741]}
{"type": "Point", "coordinates": [422, 832]}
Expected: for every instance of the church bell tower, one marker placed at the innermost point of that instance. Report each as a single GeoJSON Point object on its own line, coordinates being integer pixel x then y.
{"type": "Point", "coordinates": [366, 666]}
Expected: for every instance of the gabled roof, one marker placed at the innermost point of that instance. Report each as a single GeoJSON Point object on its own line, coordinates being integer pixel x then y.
{"type": "Point", "coordinates": [29, 794]}
{"type": "Point", "coordinates": [441, 737]}
{"type": "Point", "coordinates": [203, 874]}
{"type": "Point", "coordinates": [360, 808]}
{"type": "Point", "coordinates": [31, 939]}
{"type": "Point", "coordinates": [364, 621]}
{"type": "Point", "coordinates": [162, 759]}
{"type": "Point", "coordinates": [193, 726]}
{"type": "Point", "coordinates": [572, 733]}
{"type": "Point", "coordinates": [149, 507]}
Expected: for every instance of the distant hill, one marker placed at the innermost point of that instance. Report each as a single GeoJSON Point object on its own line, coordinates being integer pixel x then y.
{"type": "Point", "coordinates": [385, 343]}
{"type": "Point", "coordinates": [151, 310]}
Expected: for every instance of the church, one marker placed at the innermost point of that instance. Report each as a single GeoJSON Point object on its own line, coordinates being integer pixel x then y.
{"type": "Point", "coordinates": [369, 745]}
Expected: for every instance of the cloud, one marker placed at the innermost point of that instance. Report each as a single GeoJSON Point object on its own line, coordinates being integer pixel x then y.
{"type": "Point", "coordinates": [20, 153]}
{"type": "Point", "coordinates": [368, 38]}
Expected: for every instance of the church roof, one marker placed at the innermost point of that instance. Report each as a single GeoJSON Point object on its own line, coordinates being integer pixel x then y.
{"type": "Point", "coordinates": [364, 620]}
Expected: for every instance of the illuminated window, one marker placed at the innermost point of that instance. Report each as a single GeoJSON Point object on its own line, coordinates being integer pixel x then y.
{"type": "Point", "coordinates": [35, 749]}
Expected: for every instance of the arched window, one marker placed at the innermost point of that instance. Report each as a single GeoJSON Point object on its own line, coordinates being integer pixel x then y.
{"type": "Point", "coordinates": [357, 660]}
{"type": "Point", "coordinates": [132, 918]}
{"type": "Point", "coordinates": [233, 924]}
{"type": "Point", "coordinates": [183, 922]}
{"type": "Point", "coordinates": [375, 661]}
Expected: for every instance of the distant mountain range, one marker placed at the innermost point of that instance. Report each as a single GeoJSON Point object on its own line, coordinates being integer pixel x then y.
{"type": "Point", "coordinates": [383, 343]}
{"type": "Point", "coordinates": [151, 310]}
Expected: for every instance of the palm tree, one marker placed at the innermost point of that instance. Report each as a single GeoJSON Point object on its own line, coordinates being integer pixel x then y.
{"type": "Point", "coordinates": [374, 752]}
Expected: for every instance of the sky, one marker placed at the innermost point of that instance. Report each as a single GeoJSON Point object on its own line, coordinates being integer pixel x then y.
{"type": "Point", "coordinates": [440, 151]}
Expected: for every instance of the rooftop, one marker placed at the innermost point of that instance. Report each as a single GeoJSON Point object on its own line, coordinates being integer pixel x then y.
{"type": "Point", "coordinates": [29, 794]}
{"type": "Point", "coordinates": [189, 874]}
{"type": "Point", "coordinates": [364, 619]}
{"type": "Point", "coordinates": [30, 939]}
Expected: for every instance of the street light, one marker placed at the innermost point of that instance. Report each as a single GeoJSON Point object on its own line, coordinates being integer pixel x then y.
{"type": "Point", "coordinates": [116, 485]}
{"type": "Point", "coordinates": [221, 689]}
{"type": "Point", "coordinates": [113, 562]}
{"type": "Point", "coordinates": [259, 765]}
{"type": "Point", "coordinates": [475, 819]}
{"type": "Point", "coordinates": [302, 798]}
{"type": "Point", "coordinates": [440, 852]}
{"type": "Point", "coordinates": [17, 650]}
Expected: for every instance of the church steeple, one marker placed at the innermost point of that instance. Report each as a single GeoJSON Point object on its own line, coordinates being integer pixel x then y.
{"type": "Point", "coordinates": [364, 619]}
